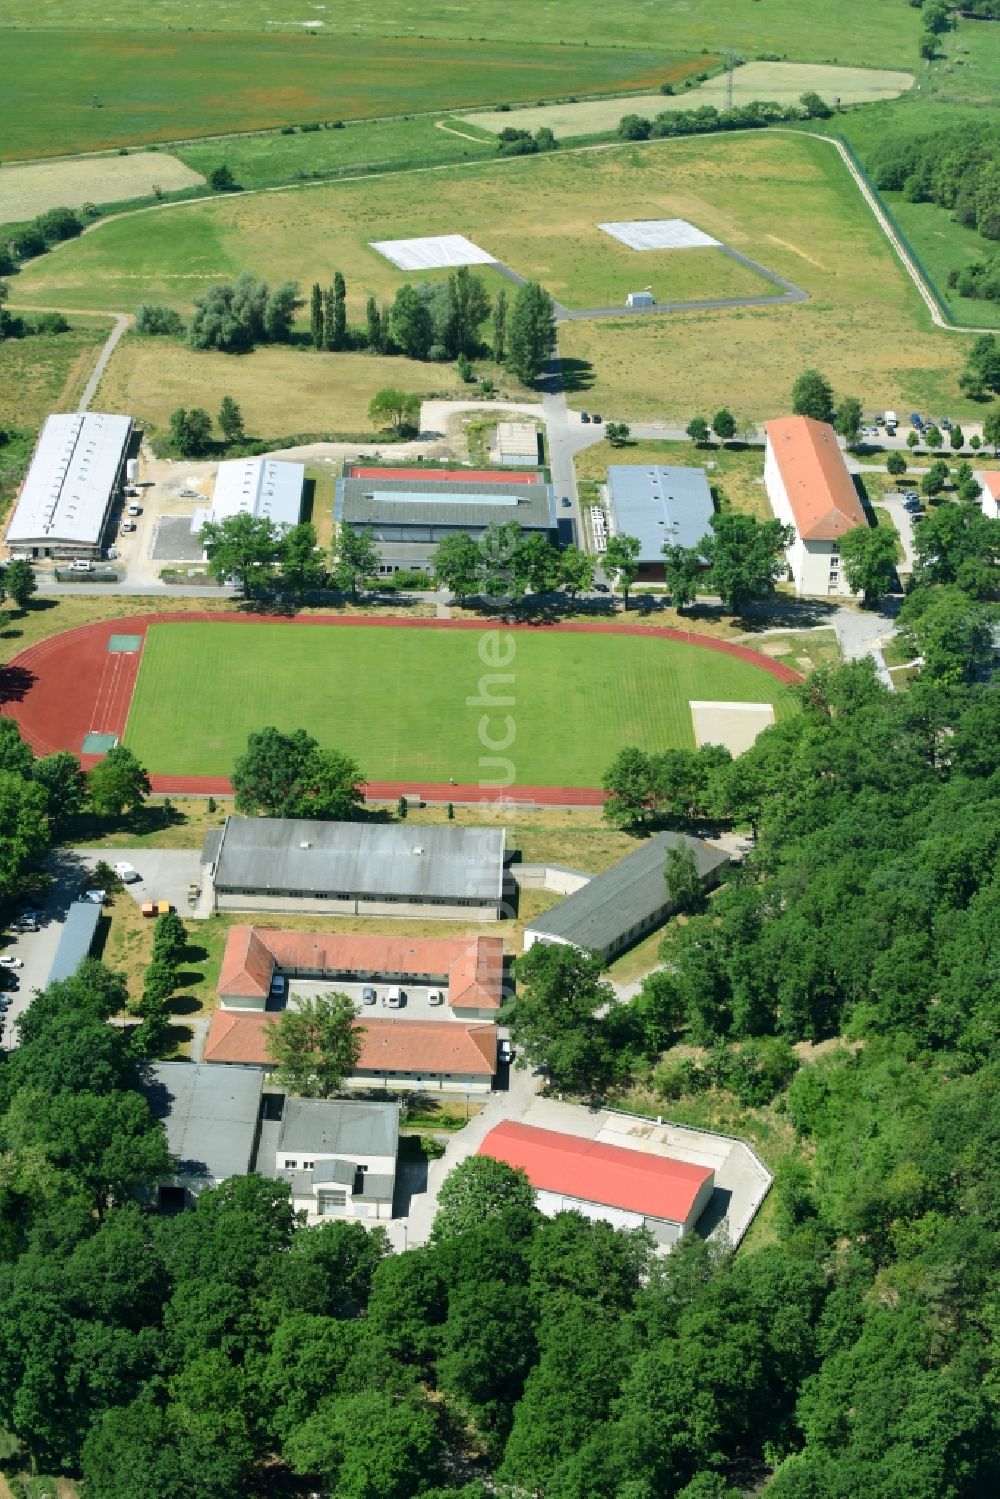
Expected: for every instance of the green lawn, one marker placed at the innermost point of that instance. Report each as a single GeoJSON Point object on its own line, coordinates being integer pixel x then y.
{"type": "Point", "coordinates": [397, 700]}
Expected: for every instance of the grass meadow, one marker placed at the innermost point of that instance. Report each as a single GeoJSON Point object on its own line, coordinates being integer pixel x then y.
{"type": "Point", "coordinates": [88, 91]}
{"type": "Point", "coordinates": [47, 372]}
{"type": "Point", "coordinates": [281, 390]}
{"type": "Point", "coordinates": [874, 33]}
{"type": "Point", "coordinates": [397, 700]}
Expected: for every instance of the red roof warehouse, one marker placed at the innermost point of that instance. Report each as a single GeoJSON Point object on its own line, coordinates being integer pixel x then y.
{"type": "Point", "coordinates": [627, 1187]}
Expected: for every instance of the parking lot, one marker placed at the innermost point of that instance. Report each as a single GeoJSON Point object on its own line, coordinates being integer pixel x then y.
{"type": "Point", "coordinates": [37, 950]}
{"type": "Point", "coordinates": [416, 1005]}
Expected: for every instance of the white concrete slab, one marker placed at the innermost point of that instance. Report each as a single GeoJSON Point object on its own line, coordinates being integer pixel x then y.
{"type": "Point", "coordinates": [432, 252]}
{"type": "Point", "coordinates": [734, 725]}
{"type": "Point", "coordinates": [659, 234]}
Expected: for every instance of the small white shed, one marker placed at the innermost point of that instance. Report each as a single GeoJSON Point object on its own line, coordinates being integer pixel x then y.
{"type": "Point", "coordinates": [640, 299]}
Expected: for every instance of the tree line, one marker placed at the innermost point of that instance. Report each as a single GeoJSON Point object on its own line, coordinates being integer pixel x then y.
{"type": "Point", "coordinates": [432, 321]}
{"type": "Point", "coordinates": [954, 167]}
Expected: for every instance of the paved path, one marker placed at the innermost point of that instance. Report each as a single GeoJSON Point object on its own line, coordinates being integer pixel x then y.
{"type": "Point", "coordinates": [122, 321]}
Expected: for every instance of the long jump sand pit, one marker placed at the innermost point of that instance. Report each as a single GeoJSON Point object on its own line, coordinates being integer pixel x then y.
{"type": "Point", "coordinates": [28, 190]}
{"type": "Point", "coordinates": [432, 252]}
{"type": "Point", "coordinates": [733, 725]}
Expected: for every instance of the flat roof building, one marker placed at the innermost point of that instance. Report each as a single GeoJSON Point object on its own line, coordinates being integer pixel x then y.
{"type": "Point", "coordinates": [409, 517]}
{"type": "Point", "coordinates": [618, 908]}
{"type": "Point", "coordinates": [355, 868]}
{"type": "Point", "coordinates": [76, 939]}
{"type": "Point", "coordinates": [810, 489]}
{"type": "Point", "coordinates": [211, 1116]}
{"type": "Point", "coordinates": [75, 476]}
{"type": "Point", "coordinates": [661, 505]}
{"type": "Point", "coordinates": [628, 1188]}
{"type": "Point", "coordinates": [260, 487]}
{"type": "Point", "coordinates": [470, 969]}
{"type": "Point", "coordinates": [398, 1055]}
{"type": "Point", "coordinates": [338, 1157]}
{"type": "Point", "coordinates": [515, 443]}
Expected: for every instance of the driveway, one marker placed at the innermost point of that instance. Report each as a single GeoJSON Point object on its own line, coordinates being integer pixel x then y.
{"type": "Point", "coordinates": [903, 521]}
{"type": "Point", "coordinates": [165, 873]}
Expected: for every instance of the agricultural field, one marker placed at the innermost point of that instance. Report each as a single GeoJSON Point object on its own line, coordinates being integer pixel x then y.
{"type": "Point", "coordinates": [94, 90]}
{"type": "Point", "coordinates": [735, 473]}
{"type": "Point", "coordinates": [866, 32]}
{"type": "Point", "coordinates": [26, 191]}
{"type": "Point", "coordinates": [782, 82]}
{"type": "Point", "coordinates": [281, 390]}
{"type": "Point", "coordinates": [47, 372]}
{"type": "Point", "coordinates": [396, 699]}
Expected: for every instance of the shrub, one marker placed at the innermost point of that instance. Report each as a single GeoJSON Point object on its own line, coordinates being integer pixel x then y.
{"type": "Point", "coordinates": [58, 224]}
{"type": "Point", "coordinates": [151, 318]}
{"type": "Point", "coordinates": [635, 128]}
{"type": "Point", "coordinates": [52, 322]}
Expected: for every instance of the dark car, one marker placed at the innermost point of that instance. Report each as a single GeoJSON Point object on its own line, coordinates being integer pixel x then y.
{"type": "Point", "coordinates": [916, 420]}
{"type": "Point", "coordinates": [368, 995]}
{"type": "Point", "coordinates": [565, 502]}
{"type": "Point", "coordinates": [601, 588]}
{"type": "Point", "coordinates": [946, 424]}
{"type": "Point", "coordinates": [597, 418]}
{"type": "Point", "coordinates": [585, 416]}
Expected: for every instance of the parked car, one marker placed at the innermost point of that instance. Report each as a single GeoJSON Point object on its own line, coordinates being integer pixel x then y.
{"type": "Point", "coordinates": [279, 987]}
{"type": "Point", "coordinates": [946, 424]}
{"type": "Point", "coordinates": [96, 897]}
{"type": "Point", "coordinates": [395, 999]}
{"type": "Point", "coordinates": [127, 526]}
{"type": "Point", "coordinates": [911, 494]}
{"type": "Point", "coordinates": [127, 873]}
{"type": "Point", "coordinates": [9, 961]}
{"type": "Point", "coordinates": [565, 501]}
{"type": "Point", "coordinates": [911, 505]}
{"type": "Point", "coordinates": [111, 554]}
{"type": "Point", "coordinates": [435, 997]}
{"type": "Point", "coordinates": [9, 979]}
{"type": "Point", "coordinates": [585, 417]}
{"type": "Point", "coordinates": [81, 565]}
{"type": "Point", "coordinates": [597, 418]}
{"type": "Point", "coordinates": [27, 921]}
{"type": "Point", "coordinates": [916, 420]}
{"type": "Point", "coordinates": [135, 510]}
{"type": "Point", "coordinates": [368, 995]}
{"type": "Point", "coordinates": [506, 1051]}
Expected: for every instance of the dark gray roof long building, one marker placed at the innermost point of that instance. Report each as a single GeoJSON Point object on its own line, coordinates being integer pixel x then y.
{"type": "Point", "coordinates": [619, 907]}
{"type": "Point", "coordinates": [77, 939]}
{"type": "Point", "coordinates": [210, 1115]}
{"type": "Point", "coordinates": [378, 861]}
{"type": "Point", "coordinates": [416, 510]}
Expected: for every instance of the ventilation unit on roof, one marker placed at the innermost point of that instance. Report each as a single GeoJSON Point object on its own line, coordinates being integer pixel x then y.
{"type": "Point", "coordinates": [418, 850]}
{"type": "Point", "coordinates": [305, 845]}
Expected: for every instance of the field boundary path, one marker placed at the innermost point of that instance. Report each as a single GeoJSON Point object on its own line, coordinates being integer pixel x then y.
{"type": "Point", "coordinates": [902, 254]}
{"type": "Point", "coordinates": [122, 321]}
{"type": "Point", "coordinates": [71, 685]}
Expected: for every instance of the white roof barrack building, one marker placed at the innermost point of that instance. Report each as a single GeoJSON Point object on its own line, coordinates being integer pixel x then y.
{"type": "Point", "coordinates": [74, 476]}
{"type": "Point", "coordinates": [260, 487]}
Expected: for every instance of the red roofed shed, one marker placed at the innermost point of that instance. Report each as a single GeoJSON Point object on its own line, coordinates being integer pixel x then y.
{"type": "Point", "coordinates": [629, 1188]}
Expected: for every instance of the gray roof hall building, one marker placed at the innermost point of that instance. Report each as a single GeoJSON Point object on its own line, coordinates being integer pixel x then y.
{"type": "Point", "coordinates": [409, 517]}
{"type": "Point", "coordinates": [659, 505]}
{"type": "Point", "coordinates": [212, 1119]}
{"type": "Point", "coordinates": [357, 869]}
{"type": "Point", "coordinates": [616, 909]}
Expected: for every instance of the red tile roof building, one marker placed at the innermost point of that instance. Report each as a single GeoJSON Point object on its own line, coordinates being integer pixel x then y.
{"type": "Point", "coordinates": [394, 1053]}
{"type": "Point", "coordinates": [810, 489]}
{"type": "Point", "coordinates": [471, 967]}
{"type": "Point", "coordinates": [628, 1187]}
{"type": "Point", "coordinates": [989, 481]}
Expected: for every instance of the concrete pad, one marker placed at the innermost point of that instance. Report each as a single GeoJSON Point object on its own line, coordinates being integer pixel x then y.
{"type": "Point", "coordinates": [659, 234]}
{"type": "Point", "coordinates": [174, 541]}
{"type": "Point", "coordinates": [432, 252]}
{"type": "Point", "coordinates": [734, 725]}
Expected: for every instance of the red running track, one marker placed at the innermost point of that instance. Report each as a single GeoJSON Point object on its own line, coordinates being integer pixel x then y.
{"type": "Point", "coordinates": [70, 685]}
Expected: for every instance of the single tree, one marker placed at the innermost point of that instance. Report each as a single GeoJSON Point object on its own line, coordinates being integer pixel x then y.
{"type": "Point", "coordinates": [303, 566]}
{"type": "Point", "coordinates": [374, 332]}
{"type": "Point", "coordinates": [815, 107]}
{"type": "Point", "coordinates": [316, 315]}
{"type": "Point", "coordinates": [118, 783]}
{"type": "Point", "coordinates": [221, 180]}
{"type": "Point", "coordinates": [338, 335]}
{"type": "Point", "coordinates": [618, 433]}
{"type": "Point", "coordinates": [466, 308]}
{"type": "Point", "coordinates": [991, 428]}
{"type": "Point", "coordinates": [500, 326]}
{"type": "Point", "coordinates": [684, 568]}
{"type": "Point", "coordinates": [268, 777]}
{"type": "Point", "coordinates": [190, 431]}
{"type": "Point", "coordinates": [554, 1017]}
{"type": "Point", "coordinates": [812, 396]}
{"type": "Point", "coordinates": [576, 571]}
{"type": "Point", "coordinates": [869, 555]}
{"type": "Point", "coordinates": [848, 421]}
{"type": "Point", "coordinates": [685, 891]}
{"type": "Point", "coordinates": [231, 420]}
{"type": "Point", "coordinates": [244, 548]}
{"type": "Point", "coordinates": [957, 438]}
{"type": "Point", "coordinates": [329, 319]}
{"type": "Point", "coordinates": [410, 323]}
{"type": "Point", "coordinates": [724, 424]}
{"type": "Point", "coordinates": [456, 564]}
{"type": "Point", "coordinates": [332, 788]}
{"type": "Point", "coordinates": [356, 559]}
{"type": "Point", "coordinates": [935, 479]}
{"type": "Point", "coordinates": [19, 581]}
{"type": "Point", "coordinates": [531, 332]}
{"type": "Point", "coordinates": [621, 562]}
{"type": "Point", "coordinates": [896, 464]}
{"type": "Point", "coordinates": [64, 784]}
{"type": "Point", "coordinates": [745, 557]}
{"type": "Point", "coordinates": [398, 409]}
{"type": "Point", "coordinates": [933, 438]}
{"type": "Point", "coordinates": [912, 440]}
{"type": "Point", "coordinates": [476, 1190]}
{"type": "Point", "coordinates": [698, 430]}
{"type": "Point", "coordinates": [315, 1046]}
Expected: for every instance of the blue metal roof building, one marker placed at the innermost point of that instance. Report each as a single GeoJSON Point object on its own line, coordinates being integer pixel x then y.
{"type": "Point", "coordinates": [659, 505]}
{"type": "Point", "coordinates": [77, 939]}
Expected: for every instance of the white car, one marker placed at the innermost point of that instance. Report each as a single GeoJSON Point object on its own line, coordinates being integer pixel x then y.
{"type": "Point", "coordinates": [97, 897]}
{"type": "Point", "coordinates": [435, 997]}
{"type": "Point", "coordinates": [8, 962]}
{"type": "Point", "coordinates": [127, 873]}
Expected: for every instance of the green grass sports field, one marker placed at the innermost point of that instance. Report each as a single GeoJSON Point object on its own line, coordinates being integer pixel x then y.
{"type": "Point", "coordinates": [398, 700]}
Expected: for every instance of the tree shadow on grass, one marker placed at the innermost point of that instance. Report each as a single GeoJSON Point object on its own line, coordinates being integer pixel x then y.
{"type": "Point", "coordinates": [568, 375]}
{"type": "Point", "coordinates": [185, 1004]}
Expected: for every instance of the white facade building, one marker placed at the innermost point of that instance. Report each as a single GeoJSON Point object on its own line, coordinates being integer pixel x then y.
{"type": "Point", "coordinates": [810, 489]}
{"type": "Point", "coordinates": [75, 475]}
{"type": "Point", "coordinates": [989, 482]}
